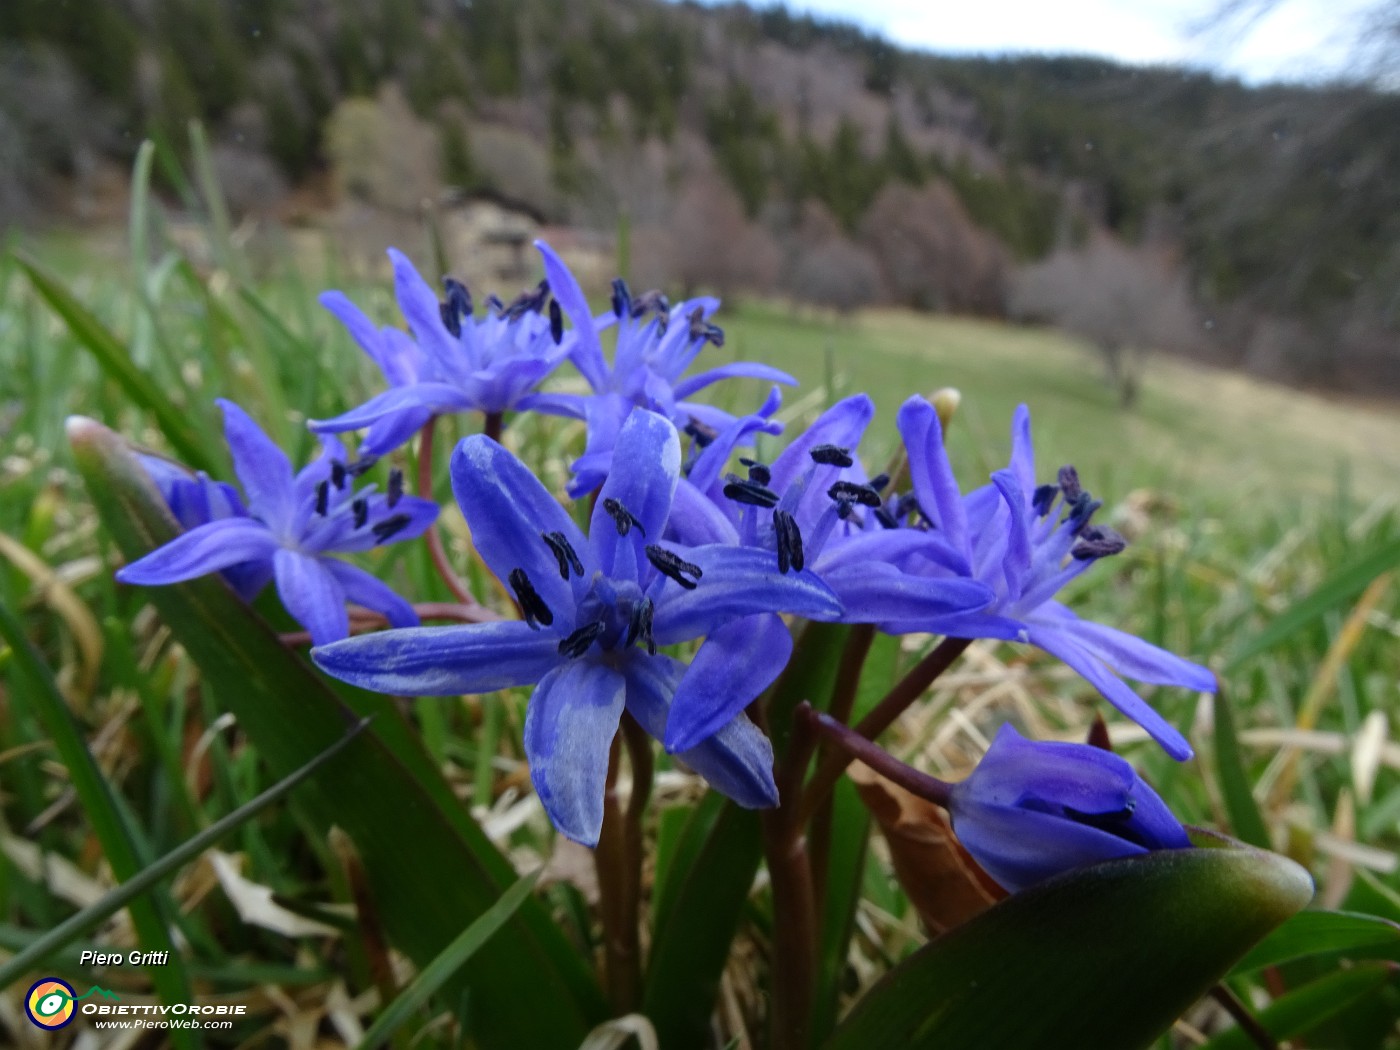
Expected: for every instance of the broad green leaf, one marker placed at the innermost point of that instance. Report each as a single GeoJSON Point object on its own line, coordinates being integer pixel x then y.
{"type": "Point", "coordinates": [1319, 933]}
{"type": "Point", "coordinates": [431, 870]}
{"type": "Point", "coordinates": [1346, 582]}
{"type": "Point", "coordinates": [113, 358]}
{"type": "Point", "coordinates": [1245, 818]}
{"type": "Point", "coordinates": [1302, 1010]}
{"type": "Point", "coordinates": [118, 843]}
{"type": "Point", "coordinates": [1105, 957]}
{"type": "Point", "coordinates": [433, 976]}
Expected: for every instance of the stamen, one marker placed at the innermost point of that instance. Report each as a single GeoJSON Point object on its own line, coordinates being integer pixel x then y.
{"type": "Point", "coordinates": [390, 526]}
{"type": "Point", "coordinates": [450, 320]}
{"type": "Point", "coordinates": [639, 627]}
{"type": "Point", "coordinates": [1043, 499]}
{"type": "Point", "coordinates": [908, 504]}
{"type": "Point", "coordinates": [457, 307]}
{"type": "Point", "coordinates": [758, 472]}
{"type": "Point", "coordinates": [530, 301]}
{"type": "Point", "coordinates": [578, 642]}
{"type": "Point", "coordinates": [532, 606]}
{"type": "Point", "coordinates": [1097, 541]}
{"type": "Point", "coordinates": [790, 554]}
{"type": "Point", "coordinates": [674, 566]}
{"type": "Point", "coordinates": [493, 302]}
{"type": "Point", "coordinates": [652, 300]}
{"type": "Point", "coordinates": [701, 329]}
{"type": "Point", "coordinates": [564, 551]}
{"type": "Point", "coordinates": [556, 322]}
{"type": "Point", "coordinates": [361, 466]}
{"type": "Point", "coordinates": [844, 508]}
{"type": "Point", "coordinates": [885, 518]}
{"type": "Point", "coordinates": [361, 509]}
{"type": "Point", "coordinates": [850, 491]}
{"type": "Point", "coordinates": [832, 456]}
{"type": "Point", "coordinates": [621, 298]}
{"type": "Point", "coordinates": [323, 498]}
{"type": "Point", "coordinates": [338, 474]}
{"type": "Point", "coordinates": [879, 482]}
{"type": "Point", "coordinates": [395, 492]}
{"type": "Point", "coordinates": [702, 434]}
{"type": "Point", "coordinates": [750, 492]}
{"type": "Point", "coordinates": [1069, 482]}
{"type": "Point", "coordinates": [623, 518]}
{"type": "Point", "coordinates": [1082, 510]}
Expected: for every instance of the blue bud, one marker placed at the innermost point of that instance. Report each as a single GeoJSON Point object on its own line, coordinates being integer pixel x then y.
{"type": "Point", "coordinates": [1031, 810]}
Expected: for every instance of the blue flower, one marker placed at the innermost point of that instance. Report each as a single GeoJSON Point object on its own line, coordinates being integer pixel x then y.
{"type": "Point", "coordinates": [656, 343]}
{"type": "Point", "coordinates": [595, 610]}
{"type": "Point", "coordinates": [294, 522]}
{"type": "Point", "coordinates": [1025, 542]}
{"type": "Point", "coordinates": [1031, 810]}
{"type": "Point", "coordinates": [454, 362]}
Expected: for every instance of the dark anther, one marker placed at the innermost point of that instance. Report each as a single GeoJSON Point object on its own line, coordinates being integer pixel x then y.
{"type": "Point", "coordinates": [457, 307]}
{"type": "Point", "coordinates": [361, 510]}
{"type": "Point", "coordinates": [885, 518]}
{"type": "Point", "coordinates": [1097, 541]}
{"type": "Point", "coordinates": [395, 492]}
{"type": "Point", "coordinates": [532, 606]}
{"type": "Point", "coordinates": [338, 474]}
{"type": "Point", "coordinates": [879, 482]}
{"type": "Point", "coordinates": [529, 301]}
{"type": "Point", "coordinates": [702, 329]}
{"type": "Point", "coordinates": [621, 298]}
{"type": "Point", "coordinates": [851, 492]}
{"type": "Point", "coordinates": [323, 498]}
{"type": "Point", "coordinates": [649, 301]}
{"type": "Point", "coordinates": [790, 554]}
{"type": "Point", "coordinates": [833, 456]}
{"type": "Point", "coordinates": [750, 492]}
{"type": "Point", "coordinates": [387, 528]}
{"type": "Point", "coordinates": [1082, 510]}
{"type": "Point", "coordinates": [493, 302]}
{"type": "Point", "coordinates": [908, 504]}
{"type": "Point", "coordinates": [844, 508]}
{"type": "Point", "coordinates": [674, 566]}
{"type": "Point", "coordinates": [758, 472]}
{"type": "Point", "coordinates": [639, 627]}
{"type": "Point", "coordinates": [564, 551]}
{"type": "Point", "coordinates": [702, 434]}
{"type": "Point", "coordinates": [556, 322]}
{"type": "Point", "coordinates": [623, 518]}
{"type": "Point", "coordinates": [1043, 499]}
{"type": "Point", "coordinates": [360, 466]}
{"type": "Point", "coordinates": [578, 642]}
{"type": "Point", "coordinates": [1069, 482]}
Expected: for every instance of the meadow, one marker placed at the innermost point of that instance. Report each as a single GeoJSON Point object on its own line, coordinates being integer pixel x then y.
{"type": "Point", "coordinates": [1265, 537]}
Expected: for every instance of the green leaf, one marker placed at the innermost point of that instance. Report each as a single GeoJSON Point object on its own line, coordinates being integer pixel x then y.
{"type": "Point", "coordinates": [1305, 1008]}
{"type": "Point", "coordinates": [1245, 818]}
{"type": "Point", "coordinates": [1049, 967]}
{"type": "Point", "coordinates": [1346, 582]}
{"type": "Point", "coordinates": [1319, 933]}
{"type": "Point", "coordinates": [430, 868]}
{"type": "Point", "coordinates": [114, 360]}
{"type": "Point", "coordinates": [433, 976]}
{"type": "Point", "coordinates": [106, 906]}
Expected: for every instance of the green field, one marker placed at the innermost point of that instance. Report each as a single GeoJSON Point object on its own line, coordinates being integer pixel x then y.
{"type": "Point", "coordinates": [1263, 520]}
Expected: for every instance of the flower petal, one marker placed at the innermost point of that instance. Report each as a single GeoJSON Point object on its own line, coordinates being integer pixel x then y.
{"type": "Point", "coordinates": [1016, 564]}
{"type": "Point", "coordinates": [421, 309]}
{"type": "Point", "coordinates": [842, 425]}
{"type": "Point", "coordinates": [369, 591]}
{"type": "Point", "coordinates": [737, 370]}
{"type": "Point", "coordinates": [642, 482]}
{"type": "Point", "coordinates": [312, 595]}
{"type": "Point", "coordinates": [735, 581]}
{"type": "Point", "coordinates": [262, 467]}
{"type": "Point", "coordinates": [736, 663]}
{"type": "Point", "coordinates": [443, 661]}
{"type": "Point", "coordinates": [1130, 656]}
{"type": "Point", "coordinates": [364, 331]}
{"type": "Point", "coordinates": [588, 350]}
{"type": "Point", "coordinates": [880, 593]}
{"type": "Point", "coordinates": [932, 474]}
{"type": "Point", "coordinates": [508, 511]}
{"type": "Point", "coordinates": [433, 397]}
{"type": "Point", "coordinates": [206, 549]}
{"type": "Point", "coordinates": [737, 761]}
{"type": "Point", "coordinates": [1062, 643]}
{"type": "Point", "coordinates": [392, 431]}
{"type": "Point", "coordinates": [1022, 449]}
{"type": "Point", "coordinates": [569, 728]}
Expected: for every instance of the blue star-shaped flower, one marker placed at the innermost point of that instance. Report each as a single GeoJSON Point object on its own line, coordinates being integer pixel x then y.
{"type": "Point", "coordinates": [294, 523]}
{"type": "Point", "coordinates": [455, 362]}
{"type": "Point", "coordinates": [595, 610]}
{"type": "Point", "coordinates": [1025, 542]}
{"type": "Point", "coordinates": [656, 343]}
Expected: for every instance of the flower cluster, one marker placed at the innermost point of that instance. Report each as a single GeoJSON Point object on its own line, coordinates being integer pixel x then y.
{"type": "Point", "coordinates": [675, 609]}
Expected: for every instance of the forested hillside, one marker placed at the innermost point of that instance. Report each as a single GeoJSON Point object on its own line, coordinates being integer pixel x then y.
{"type": "Point", "coordinates": [1256, 227]}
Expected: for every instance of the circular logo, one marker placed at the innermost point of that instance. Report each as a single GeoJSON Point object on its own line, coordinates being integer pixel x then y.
{"type": "Point", "coordinates": [49, 1003]}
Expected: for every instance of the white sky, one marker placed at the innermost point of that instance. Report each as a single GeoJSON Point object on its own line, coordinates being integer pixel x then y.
{"type": "Point", "coordinates": [1295, 40]}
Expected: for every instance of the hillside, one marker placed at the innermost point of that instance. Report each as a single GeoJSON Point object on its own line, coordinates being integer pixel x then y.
{"type": "Point", "coordinates": [759, 151]}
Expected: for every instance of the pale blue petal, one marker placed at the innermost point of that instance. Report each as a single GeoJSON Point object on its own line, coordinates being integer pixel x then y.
{"type": "Point", "coordinates": [734, 666]}
{"type": "Point", "coordinates": [932, 474]}
{"type": "Point", "coordinates": [1129, 656]}
{"type": "Point", "coordinates": [364, 331]}
{"type": "Point", "coordinates": [1022, 449]}
{"type": "Point", "coordinates": [312, 595]}
{"type": "Point", "coordinates": [646, 464]}
{"type": "Point", "coordinates": [1016, 565]}
{"type": "Point", "coordinates": [588, 350]}
{"type": "Point", "coordinates": [421, 309]}
{"type": "Point", "coordinates": [881, 593]}
{"type": "Point", "coordinates": [737, 370]}
{"type": "Point", "coordinates": [569, 728]}
{"type": "Point", "coordinates": [262, 467]}
{"type": "Point", "coordinates": [208, 548]}
{"type": "Point", "coordinates": [842, 425]}
{"type": "Point", "coordinates": [432, 397]}
{"type": "Point", "coordinates": [369, 591]}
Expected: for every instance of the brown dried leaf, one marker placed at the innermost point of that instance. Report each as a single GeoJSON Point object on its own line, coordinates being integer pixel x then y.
{"type": "Point", "coordinates": [945, 885]}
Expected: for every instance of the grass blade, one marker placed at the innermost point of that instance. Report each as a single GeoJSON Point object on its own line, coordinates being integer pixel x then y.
{"type": "Point", "coordinates": [1245, 819]}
